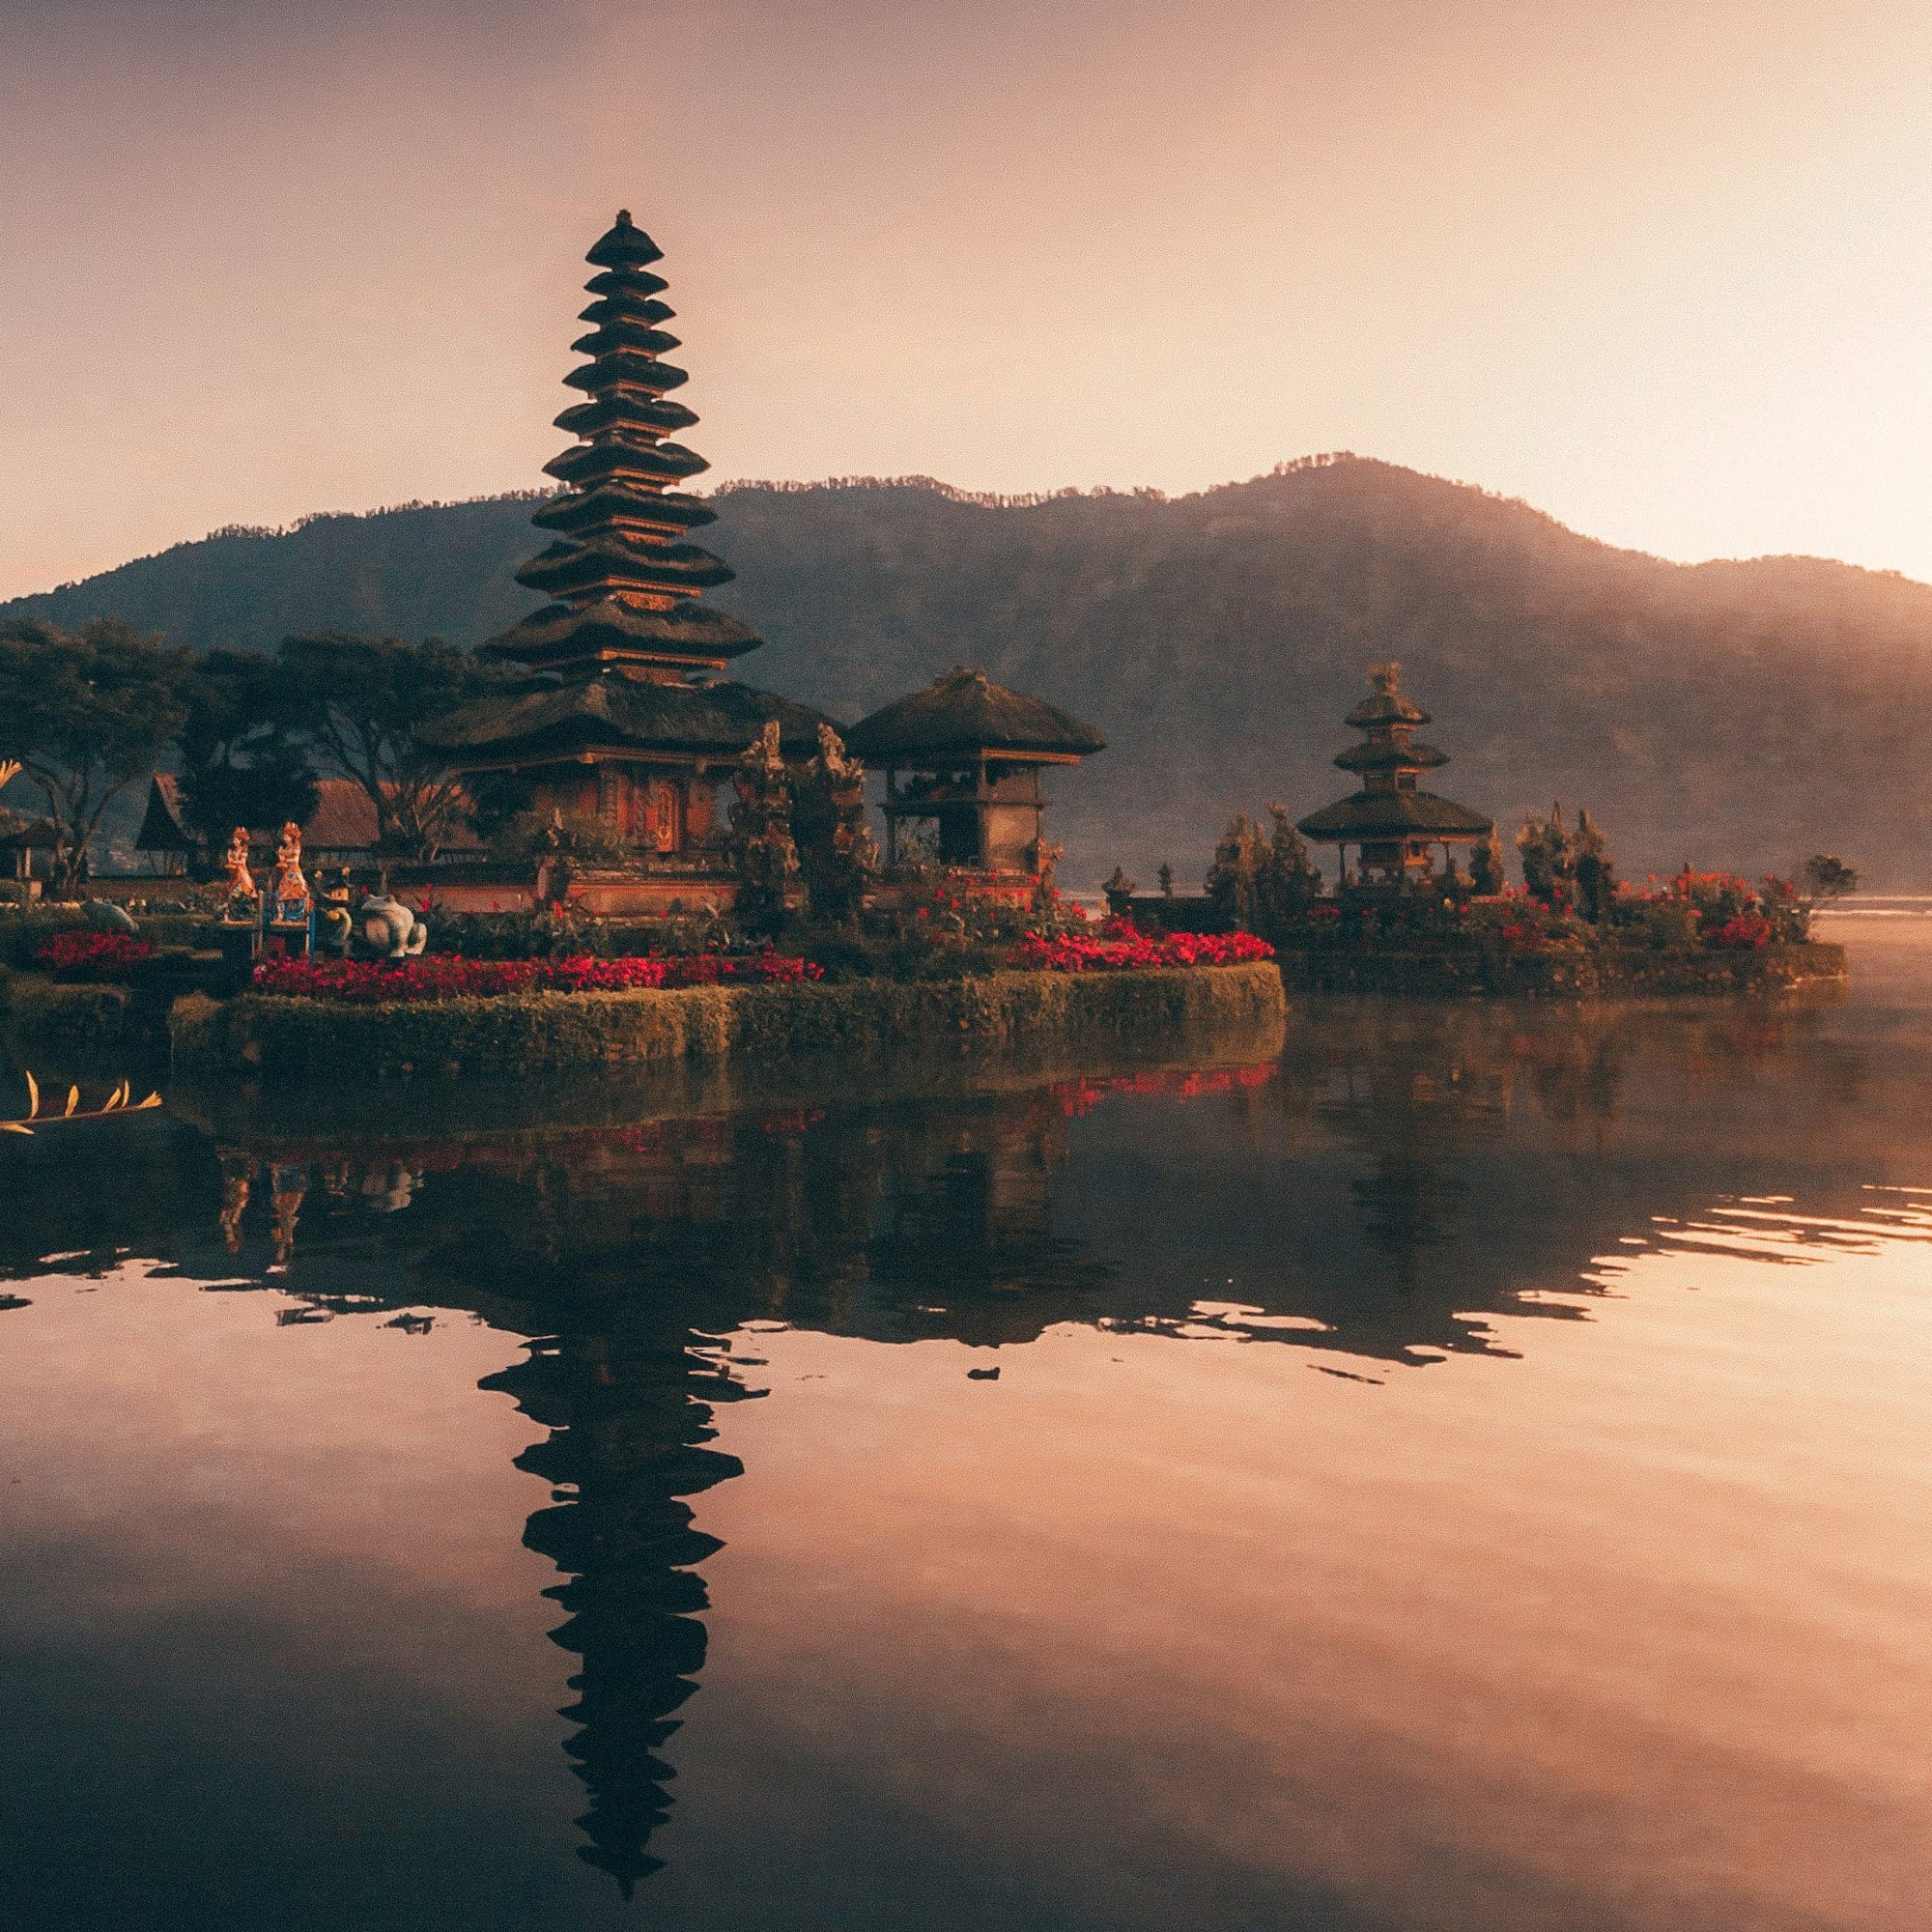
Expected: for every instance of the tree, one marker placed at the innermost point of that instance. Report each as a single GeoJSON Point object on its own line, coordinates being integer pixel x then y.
{"type": "Point", "coordinates": [240, 761]}
{"type": "Point", "coordinates": [1827, 877]}
{"type": "Point", "coordinates": [84, 715]}
{"type": "Point", "coordinates": [359, 702]}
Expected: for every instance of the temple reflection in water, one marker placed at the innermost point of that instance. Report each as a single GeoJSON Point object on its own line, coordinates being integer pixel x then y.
{"type": "Point", "coordinates": [1417, 1175]}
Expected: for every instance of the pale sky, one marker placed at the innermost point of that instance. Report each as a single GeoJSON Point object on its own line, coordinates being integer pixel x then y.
{"type": "Point", "coordinates": [1661, 268]}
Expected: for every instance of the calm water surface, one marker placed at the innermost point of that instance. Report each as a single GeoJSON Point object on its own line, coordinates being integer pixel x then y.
{"type": "Point", "coordinates": [1467, 1471]}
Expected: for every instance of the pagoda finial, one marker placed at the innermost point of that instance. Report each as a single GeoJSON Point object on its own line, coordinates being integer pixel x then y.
{"type": "Point", "coordinates": [624, 217]}
{"type": "Point", "coordinates": [1386, 678]}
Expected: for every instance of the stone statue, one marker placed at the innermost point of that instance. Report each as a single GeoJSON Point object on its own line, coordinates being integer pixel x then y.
{"type": "Point", "coordinates": [105, 916]}
{"type": "Point", "coordinates": [337, 926]}
{"type": "Point", "coordinates": [390, 930]}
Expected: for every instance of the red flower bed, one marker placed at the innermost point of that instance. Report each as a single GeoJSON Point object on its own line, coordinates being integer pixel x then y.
{"type": "Point", "coordinates": [1745, 933]}
{"type": "Point", "coordinates": [83, 954]}
{"type": "Point", "coordinates": [1124, 948]}
{"type": "Point", "coordinates": [378, 981]}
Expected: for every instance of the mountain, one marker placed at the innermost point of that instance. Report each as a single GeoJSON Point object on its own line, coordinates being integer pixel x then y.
{"type": "Point", "coordinates": [1736, 713]}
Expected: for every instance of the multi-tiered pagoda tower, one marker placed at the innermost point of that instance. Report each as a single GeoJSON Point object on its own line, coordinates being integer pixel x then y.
{"type": "Point", "coordinates": [620, 712]}
{"type": "Point", "coordinates": [1394, 826]}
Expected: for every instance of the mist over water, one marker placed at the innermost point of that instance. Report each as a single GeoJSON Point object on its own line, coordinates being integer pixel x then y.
{"type": "Point", "coordinates": [1454, 1467]}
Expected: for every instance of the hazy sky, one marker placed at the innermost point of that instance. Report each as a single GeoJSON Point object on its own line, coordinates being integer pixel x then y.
{"type": "Point", "coordinates": [1665, 269]}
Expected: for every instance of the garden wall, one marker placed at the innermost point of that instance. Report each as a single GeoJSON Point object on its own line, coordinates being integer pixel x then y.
{"type": "Point", "coordinates": [296, 1039]}
{"type": "Point", "coordinates": [1770, 969]}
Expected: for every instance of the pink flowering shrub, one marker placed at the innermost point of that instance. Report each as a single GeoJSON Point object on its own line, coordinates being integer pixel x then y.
{"type": "Point", "coordinates": [1123, 948]}
{"type": "Point", "coordinates": [83, 954]}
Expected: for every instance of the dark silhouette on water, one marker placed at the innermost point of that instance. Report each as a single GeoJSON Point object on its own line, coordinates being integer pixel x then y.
{"type": "Point", "coordinates": [629, 1413]}
{"type": "Point", "coordinates": [1416, 1169]}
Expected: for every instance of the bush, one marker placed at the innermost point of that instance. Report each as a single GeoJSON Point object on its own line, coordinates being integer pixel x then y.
{"type": "Point", "coordinates": [581, 837]}
{"type": "Point", "coordinates": [20, 936]}
{"type": "Point", "coordinates": [81, 953]}
{"type": "Point", "coordinates": [565, 931]}
{"type": "Point", "coordinates": [46, 1018]}
{"type": "Point", "coordinates": [521, 1034]}
{"type": "Point", "coordinates": [1121, 949]}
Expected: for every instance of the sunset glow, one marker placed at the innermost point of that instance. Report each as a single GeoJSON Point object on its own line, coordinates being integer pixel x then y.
{"type": "Point", "coordinates": [1658, 269]}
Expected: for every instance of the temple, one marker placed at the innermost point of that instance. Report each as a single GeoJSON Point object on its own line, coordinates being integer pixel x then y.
{"type": "Point", "coordinates": [1394, 826]}
{"type": "Point", "coordinates": [963, 760]}
{"type": "Point", "coordinates": [618, 712]}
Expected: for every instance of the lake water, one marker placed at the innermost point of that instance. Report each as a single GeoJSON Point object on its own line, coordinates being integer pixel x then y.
{"type": "Point", "coordinates": [1465, 1471]}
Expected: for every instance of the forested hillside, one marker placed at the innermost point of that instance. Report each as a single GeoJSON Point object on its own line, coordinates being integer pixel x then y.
{"type": "Point", "coordinates": [1735, 713]}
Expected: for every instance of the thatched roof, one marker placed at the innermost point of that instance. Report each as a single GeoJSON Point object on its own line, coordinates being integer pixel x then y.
{"type": "Point", "coordinates": [626, 282]}
{"type": "Point", "coordinates": [615, 712]}
{"type": "Point", "coordinates": [965, 711]}
{"type": "Point", "coordinates": [344, 820]}
{"type": "Point", "coordinates": [625, 412]}
{"type": "Point", "coordinates": [627, 305]}
{"type": "Point", "coordinates": [161, 827]}
{"type": "Point", "coordinates": [560, 632]}
{"type": "Point", "coordinates": [1391, 756]}
{"type": "Point", "coordinates": [623, 333]}
{"type": "Point", "coordinates": [1395, 815]}
{"type": "Point", "coordinates": [586, 463]}
{"type": "Point", "coordinates": [622, 502]}
{"type": "Point", "coordinates": [611, 559]}
{"type": "Point", "coordinates": [624, 246]}
{"type": "Point", "coordinates": [621, 365]}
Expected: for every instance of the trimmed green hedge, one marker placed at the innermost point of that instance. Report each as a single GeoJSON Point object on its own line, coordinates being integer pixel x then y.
{"type": "Point", "coordinates": [21, 932]}
{"type": "Point", "coordinates": [1633, 969]}
{"type": "Point", "coordinates": [288, 1037]}
{"type": "Point", "coordinates": [42, 1016]}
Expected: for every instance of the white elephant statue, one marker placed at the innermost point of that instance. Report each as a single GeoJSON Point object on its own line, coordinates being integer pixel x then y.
{"type": "Point", "coordinates": [389, 929]}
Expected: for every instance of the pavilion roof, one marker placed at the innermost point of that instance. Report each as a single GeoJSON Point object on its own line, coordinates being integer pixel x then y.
{"type": "Point", "coordinates": [1395, 815]}
{"type": "Point", "coordinates": [561, 631]}
{"type": "Point", "coordinates": [1391, 755]}
{"type": "Point", "coordinates": [966, 711]}
{"type": "Point", "coordinates": [620, 455]}
{"type": "Point", "coordinates": [615, 712]}
{"type": "Point", "coordinates": [581, 511]}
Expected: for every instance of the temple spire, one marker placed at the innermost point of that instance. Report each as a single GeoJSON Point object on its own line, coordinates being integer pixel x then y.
{"type": "Point", "coordinates": [623, 568]}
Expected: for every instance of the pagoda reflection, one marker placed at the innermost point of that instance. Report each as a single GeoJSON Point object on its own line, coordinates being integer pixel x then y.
{"type": "Point", "coordinates": [1392, 1182]}
{"type": "Point", "coordinates": [629, 1410]}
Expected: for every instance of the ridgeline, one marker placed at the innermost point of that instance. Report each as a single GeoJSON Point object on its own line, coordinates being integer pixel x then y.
{"type": "Point", "coordinates": [1740, 714]}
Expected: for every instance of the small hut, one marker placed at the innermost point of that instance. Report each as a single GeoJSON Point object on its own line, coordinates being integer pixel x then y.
{"type": "Point", "coordinates": [343, 830]}
{"type": "Point", "coordinates": [1394, 825]}
{"type": "Point", "coordinates": [29, 851]}
{"type": "Point", "coordinates": [963, 762]}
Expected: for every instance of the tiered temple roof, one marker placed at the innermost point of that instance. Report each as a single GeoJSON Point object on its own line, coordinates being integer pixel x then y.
{"type": "Point", "coordinates": [615, 659]}
{"type": "Point", "coordinates": [1390, 812]}
{"type": "Point", "coordinates": [622, 569]}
